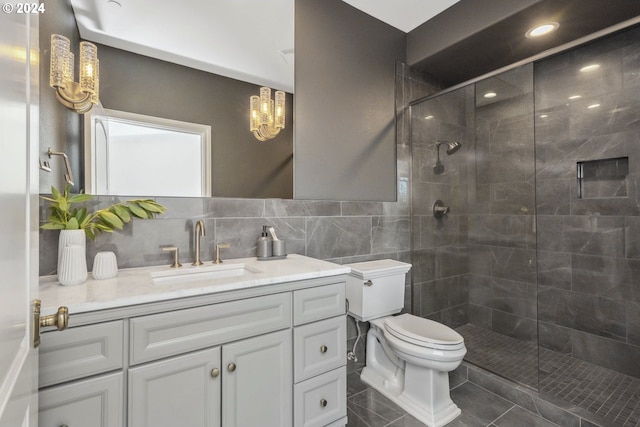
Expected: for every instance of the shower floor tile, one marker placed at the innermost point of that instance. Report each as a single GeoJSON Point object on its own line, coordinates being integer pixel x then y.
{"type": "Point", "coordinates": [607, 394]}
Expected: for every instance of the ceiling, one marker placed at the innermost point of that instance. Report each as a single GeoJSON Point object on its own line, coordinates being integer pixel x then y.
{"type": "Point", "coordinates": [208, 34]}
{"type": "Point", "coordinates": [469, 52]}
{"type": "Point", "coordinates": [462, 38]}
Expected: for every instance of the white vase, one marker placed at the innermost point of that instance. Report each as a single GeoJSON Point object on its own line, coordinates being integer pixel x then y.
{"type": "Point", "coordinates": [76, 258]}
{"type": "Point", "coordinates": [105, 266]}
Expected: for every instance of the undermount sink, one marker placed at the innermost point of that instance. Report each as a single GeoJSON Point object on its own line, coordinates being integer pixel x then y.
{"type": "Point", "coordinates": [201, 273]}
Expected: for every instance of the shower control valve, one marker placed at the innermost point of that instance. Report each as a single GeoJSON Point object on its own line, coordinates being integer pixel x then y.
{"type": "Point", "coordinates": [440, 209]}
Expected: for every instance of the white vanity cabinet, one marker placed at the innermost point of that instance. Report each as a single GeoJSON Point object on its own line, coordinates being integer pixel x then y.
{"type": "Point", "coordinates": [94, 352]}
{"type": "Point", "coordinates": [272, 356]}
{"type": "Point", "coordinates": [320, 341]}
{"type": "Point", "coordinates": [203, 388]}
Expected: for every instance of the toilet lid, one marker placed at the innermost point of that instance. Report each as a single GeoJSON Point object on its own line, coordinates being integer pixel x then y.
{"type": "Point", "coordinates": [423, 332]}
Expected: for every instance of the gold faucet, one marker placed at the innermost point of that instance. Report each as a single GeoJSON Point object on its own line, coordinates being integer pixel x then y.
{"type": "Point", "coordinates": [200, 231]}
{"type": "Point", "coordinates": [218, 247]}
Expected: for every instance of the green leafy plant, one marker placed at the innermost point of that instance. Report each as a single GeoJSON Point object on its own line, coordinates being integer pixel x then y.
{"type": "Point", "coordinates": [64, 216]}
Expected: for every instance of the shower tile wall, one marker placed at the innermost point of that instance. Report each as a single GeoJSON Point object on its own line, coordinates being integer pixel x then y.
{"type": "Point", "coordinates": [501, 230]}
{"type": "Point", "coordinates": [440, 245]}
{"type": "Point", "coordinates": [589, 258]}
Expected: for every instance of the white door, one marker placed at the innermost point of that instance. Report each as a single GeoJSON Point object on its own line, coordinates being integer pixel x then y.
{"type": "Point", "coordinates": [19, 215]}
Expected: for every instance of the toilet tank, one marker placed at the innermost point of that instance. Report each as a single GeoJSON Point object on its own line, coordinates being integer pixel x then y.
{"type": "Point", "coordinates": [376, 288]}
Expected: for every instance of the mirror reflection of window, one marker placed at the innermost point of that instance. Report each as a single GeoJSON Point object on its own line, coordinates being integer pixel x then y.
{"type": "Point", "coordinates": [133, 155]}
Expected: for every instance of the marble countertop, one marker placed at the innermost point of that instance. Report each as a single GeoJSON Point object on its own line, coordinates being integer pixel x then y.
{"type": "Point", "coordinates": [135, 285]}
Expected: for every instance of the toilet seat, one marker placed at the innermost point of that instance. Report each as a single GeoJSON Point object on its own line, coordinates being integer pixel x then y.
{"type": "Point", "coordinates": [423, 332]}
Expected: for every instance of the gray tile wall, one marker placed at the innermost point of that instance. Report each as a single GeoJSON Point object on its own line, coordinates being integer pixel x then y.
{"type": "Point", "coordinates": [502, 233]}
{"type": "Point", "coordinates": [588, 259]}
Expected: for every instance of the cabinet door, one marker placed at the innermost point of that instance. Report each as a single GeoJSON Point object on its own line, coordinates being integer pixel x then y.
{"type": "Point", "coordinates": [96, 402]}
{"type": "Point", "coordinates": [257, 381]}
{"type": "Point", "coordinates": [181, 391]}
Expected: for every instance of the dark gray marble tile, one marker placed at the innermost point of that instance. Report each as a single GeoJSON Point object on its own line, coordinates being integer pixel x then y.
{"type": "Point", "coordinates": [600, 316]}
{"type": "Point", "coordinates": [242, 234]}
{"type": "Point", "coordinates": [430, 232]}
{"type": "Point", "coordinates": [390, 234]}
{"type": "Point", "coordinates": [234, 208]}
{"type": "Point", "coordinates": [632, 237]}
{"type": "Point", "coordinates": [361, 208]}
{"type": "Point", "coordinates": [554, 337]}
{"type": "Point", "coordinates": [284, 208]}
{"type": "Point", "coordinates": [610, 354]}
{"type": "Point", "coordinates": [182, 207]}
{"type": "Point", "coordinates": [633, 323]}
{"type": "Point", "coordinates": [523, 397]}
{"type": "Point", "coordinates": [502, 230]}
{"type": "Point", "coordinates": [553, 196]}
{"type": "Point", "coordinates": [330, 237]}
{"type": "Point", "coordinates": [612, 278]}
{"type": "Point", "coordinates": [554, 269]}
{"type": "Point", "coordinates": [372, 407]}
{"type": "Point", "coordinates": [518, 417]}
{"type": "Point", "coordinates": [442, 294]}
{"type": "Point", "coordinates": [479, 259]}
{"type": "Point", "coordinates": [479, 315]}
{"type": "Point", "coordinates": [514, 264]}
{"type": "Point", "coordinates": [513, 198]}
{"type": "Point", "coordinates": [514, 326]}
{"type": "Point", "coordinates": [477, 405]}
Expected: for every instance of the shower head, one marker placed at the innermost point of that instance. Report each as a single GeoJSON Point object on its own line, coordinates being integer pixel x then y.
{"type": "Point", "coordinates": [452, 147]}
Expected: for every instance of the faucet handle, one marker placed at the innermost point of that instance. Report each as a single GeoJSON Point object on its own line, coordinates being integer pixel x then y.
{"type": "Point", "coordinates": [176, 255]}
{"type": "Point", "coordinates": [218, 247]}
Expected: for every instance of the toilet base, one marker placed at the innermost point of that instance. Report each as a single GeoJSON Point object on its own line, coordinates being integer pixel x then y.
{"type": "Point", "coordinates": [426, 412]}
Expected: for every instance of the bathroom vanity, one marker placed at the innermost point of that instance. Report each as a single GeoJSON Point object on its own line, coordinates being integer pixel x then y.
{"type": "Point", "coordinates": [248, 344]}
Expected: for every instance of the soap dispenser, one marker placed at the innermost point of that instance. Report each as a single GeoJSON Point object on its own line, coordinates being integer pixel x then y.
{"type": "Point", "coordinates": [263, 246]}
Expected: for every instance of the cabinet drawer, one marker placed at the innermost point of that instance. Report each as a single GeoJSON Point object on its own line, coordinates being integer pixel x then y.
{"type": "Point", "coordinates": [80, 352]}
{"type": "Point", "coordinates": [166, 334]}
{"type": "Point", "coordinates": [319, 347]}
{"type": "Point", "coordinates": [96, 402]}
{"type": "Point", "coordinates": [321, 400]}
{"type": "Point", "coordinates": [318, 303]}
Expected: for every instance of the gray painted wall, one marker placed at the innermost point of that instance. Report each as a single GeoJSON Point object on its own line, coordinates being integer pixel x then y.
{"type": "Point", "coordinates": [345, 119]}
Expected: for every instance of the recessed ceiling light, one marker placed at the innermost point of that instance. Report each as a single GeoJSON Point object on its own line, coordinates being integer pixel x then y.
{"type": "Point", "coordinates": [490, 95]}
{"type": "Point", "coordinates": [572, 97]}
{"type": "Point", "coordinates": [544, 116]}
{"type": "Point", "coordinates": [428, 118]}
{"type": "Point", "coordinates": [592, 106]}
{"type": "Point", "coordinates": [542, 30]}
{"type": "Point", "coordinates": [590, 67]}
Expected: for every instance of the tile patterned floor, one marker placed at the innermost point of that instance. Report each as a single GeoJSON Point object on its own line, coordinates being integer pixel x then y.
{"type": "Point", "coordinates": [608, 394]}
{"type": "Point", "coordinates": [480, 408]}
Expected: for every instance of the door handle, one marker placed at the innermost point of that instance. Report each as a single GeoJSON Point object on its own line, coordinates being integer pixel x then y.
{"type": "Point", "coordinates": [60, 320]}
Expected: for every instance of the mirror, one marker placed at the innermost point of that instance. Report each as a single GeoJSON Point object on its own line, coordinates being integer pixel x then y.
{"type": "Point", "coordinates": [175, 81]}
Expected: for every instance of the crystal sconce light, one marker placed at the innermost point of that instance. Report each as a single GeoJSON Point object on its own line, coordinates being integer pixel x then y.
{"type": "Point", "coordinates": [76, 96]}
{"type": "Point", "coordinates": [266, 115]}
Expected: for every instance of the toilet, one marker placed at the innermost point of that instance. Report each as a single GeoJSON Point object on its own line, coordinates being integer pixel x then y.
{"type": "Point", "coordinates": [408, 358]}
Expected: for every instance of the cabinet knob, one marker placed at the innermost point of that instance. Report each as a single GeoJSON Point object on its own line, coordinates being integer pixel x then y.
{"type": "Point", "coordinates": [368, 283]}
{"type": "Point", "coordinates": [215, 372]}
{"type": "Point", "coordinates": [323, 349]}
{"type": "Point", "coordinates": [323, 403]}
{"type": "Point", "coordinates": [231, 367]}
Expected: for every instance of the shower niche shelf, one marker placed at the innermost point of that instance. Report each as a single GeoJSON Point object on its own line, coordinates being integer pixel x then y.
{"type": "Point", "coordinates": [603, 178]}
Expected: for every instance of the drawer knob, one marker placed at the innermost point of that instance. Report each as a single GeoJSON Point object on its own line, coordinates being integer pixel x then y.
{"type": "Point", "coordinates": [215, 372]}
{"type": "Point", "coordinates": [368, 283]}
{"type": "Point", "coordinates": [323, 403]}
{"type": "Point", "coordinates": [231, 367]}
{"type": "Point", "coordinates": [323, 349]}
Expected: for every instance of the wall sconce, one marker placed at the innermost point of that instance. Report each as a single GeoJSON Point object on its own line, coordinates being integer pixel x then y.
{"type": "Point", "coordinates": [267, 117]}
{"type": "Point", "coordinates": [81, 96]}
